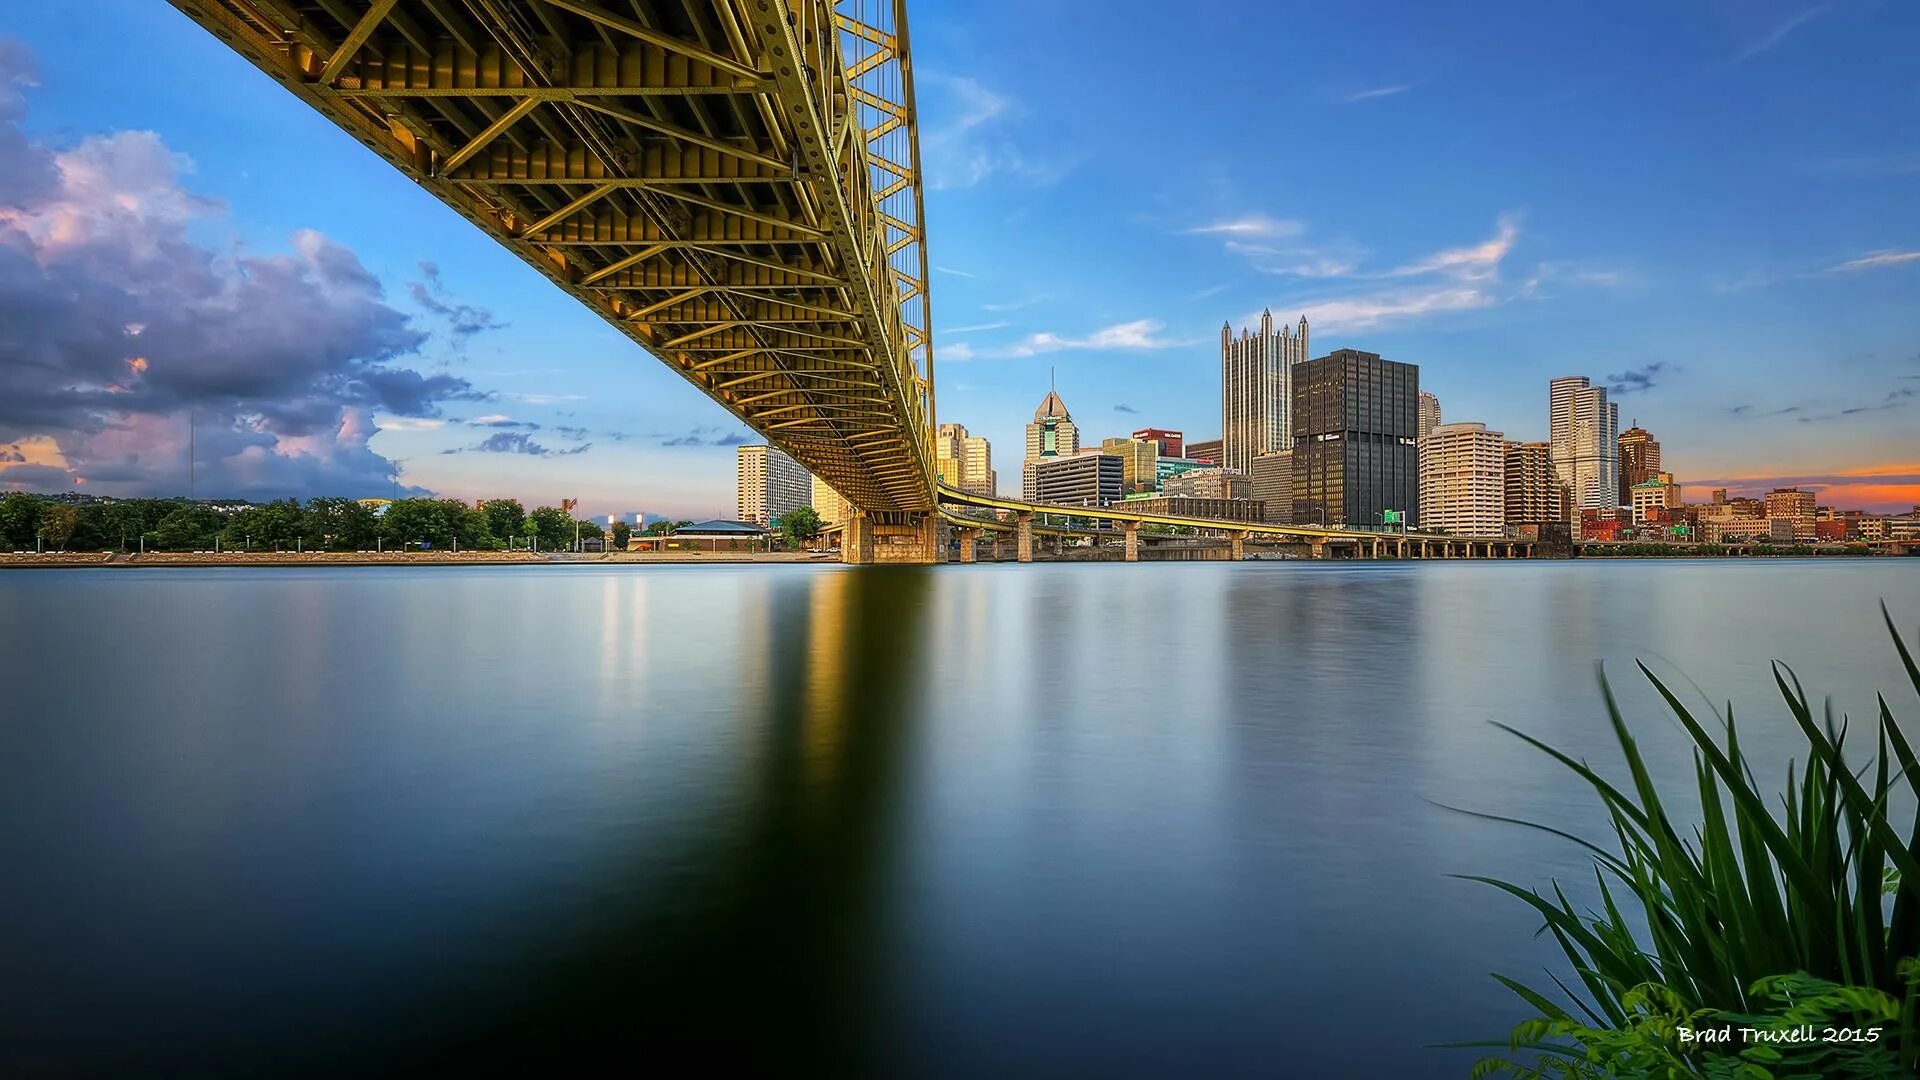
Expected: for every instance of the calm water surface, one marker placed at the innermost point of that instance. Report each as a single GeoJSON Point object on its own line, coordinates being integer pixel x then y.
{"type": "Point", "coordinates": [1099, 820]}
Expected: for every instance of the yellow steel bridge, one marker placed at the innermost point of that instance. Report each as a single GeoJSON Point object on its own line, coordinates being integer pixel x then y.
{"type": "Point", "coordinates": [733, 184]}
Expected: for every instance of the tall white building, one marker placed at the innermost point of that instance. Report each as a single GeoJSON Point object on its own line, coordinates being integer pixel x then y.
{"type": "Point", "coordinates": [1256, 390]}
{"type": "Point", "coordinates": [1463, 480]}
{"type": "Point", "coordinates": [1051, 434]}
{"type": "Point", "coordinates": [769, 483]}
{"type": "Point", "coordinates": [1583, 430]}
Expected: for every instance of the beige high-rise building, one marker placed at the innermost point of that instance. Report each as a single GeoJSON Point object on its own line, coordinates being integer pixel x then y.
{"type": "Point", "coordinates": [1273, 485]}
{"type": "Point", "coordinates": [1463, 480]}
{"type": "Point", "coordinates": [828, 503]}
{"type": "Point", "coordinates": [965, 461]}
{"type": "Point", "coordinates": [1256, 390]}
{"type": "Point", "coordinates": [768, 483]}
{"type": "Point", "coordinates": [1140, 460]}
{"type": "Point", "coordinates": [1583, 429]}
{"type": "Point", "coordinates": [1051, 434]}
{"type": "Point", "coordinates": [1534, 493]}
{"type": "Point", "coordinates": [1794, 505]}
{"type": "Point", "coordinates": [1656, 494]}
{"type": "Point", "coordinates": [1429, 414]}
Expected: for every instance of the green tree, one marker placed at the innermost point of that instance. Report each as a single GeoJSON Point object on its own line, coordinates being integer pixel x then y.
{"type": "Point", "coordinates": [57, 522]}
{"type": "Point", "coordinates": [19, 518]}
{"type": "Point", "coordinates": [469, 525]}
{"type": "Point", "coordinates": [552, 526]}
{"type": "Point", "coordinates": [417, 521]}
{"type": "Point", "coordinates": [622, 532]}
{"type": "Point", "coordinates": [800, 525]}
{"type": "Point", "coordinates": [91, 533]}
{"type": "Point", "coordinates": [340, 524]}
{"type": "Point", "coordinates": [664, 528]}
{"type": "Point", "coordinates": [125, 521]}
{"type": "Point", "coordinates": [187, 528]}
{"type": "Point", "coordinates": [505, 517]}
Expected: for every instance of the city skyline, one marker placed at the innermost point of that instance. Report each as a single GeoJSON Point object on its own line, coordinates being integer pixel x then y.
{"type": "Point", "coordinates": [1761, 356]}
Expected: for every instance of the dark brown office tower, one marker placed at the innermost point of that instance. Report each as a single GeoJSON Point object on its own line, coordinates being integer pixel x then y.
{"type": "Point", "coordinates": [1356, 422]}
{"type": "Point", "coordinates": [1639, 460]}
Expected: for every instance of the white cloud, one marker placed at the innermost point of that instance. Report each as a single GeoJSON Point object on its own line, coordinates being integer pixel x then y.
{"type": "Point", "coordinates": [408, 423]}
{"type": "Point", "coordinates": [963, 137]}
{"type": "Point", "coordinates": [491, 418]}
{"type": "Point", "coordinates": [974, 328]}
{"type": "Point", "coordinates": [1360, 312]}
{"type": "Point", "coordinates": [955, 273]}
{"type": "Point", "coordinates": [1776, 34]}
{"type": "Point", "coordinates": [1138, 334]}
{"type": "Point", "coordinates": [1248, 225]}
{"type": "Point", "coordinates": [957, 352]}
{"type": "Point", "coordinates": [1875, 259]}
{"type": "Point", "coordinates": [1473, 263]}
{"type": "Point", "coordinates": [1376, 92]}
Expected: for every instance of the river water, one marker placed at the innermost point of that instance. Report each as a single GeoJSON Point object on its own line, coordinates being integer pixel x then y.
{"type": "Point", "coordinates": [1017, 820]}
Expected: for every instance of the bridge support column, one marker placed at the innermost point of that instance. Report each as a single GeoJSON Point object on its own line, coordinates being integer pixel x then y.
{"type": "Point", "coordinates": [1237, 545]}
{"type": "Point", "coordinates": [856, 539]}
{"type": "Point", "coordinates": [967, 538]}
{"type": "Point", "coordinates": [1023, 537]}
{"type": "Point", "coordinates": [1318, 547]}
{"type": "Point", "coordinates": [1130, 533]}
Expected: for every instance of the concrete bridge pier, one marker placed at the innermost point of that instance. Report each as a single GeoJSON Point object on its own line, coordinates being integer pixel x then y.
{"type": "Point", "coordinates": [967, 538]}
{"type": "Point", "coordinates": [856, 539]}
{"type": "Point", "coordinates": [1023, 536]}
{"type": "Point", "coordinates": [1237, 545]}
{"type": "Point", "coordinates": [1130, 531]}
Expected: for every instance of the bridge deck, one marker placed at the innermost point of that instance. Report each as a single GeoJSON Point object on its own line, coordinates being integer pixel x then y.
{"type": "Point", "coordinates": [733, 185]}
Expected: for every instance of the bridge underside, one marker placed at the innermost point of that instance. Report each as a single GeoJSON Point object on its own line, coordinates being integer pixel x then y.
{"type": "Point", "coordinates": [733, 184]}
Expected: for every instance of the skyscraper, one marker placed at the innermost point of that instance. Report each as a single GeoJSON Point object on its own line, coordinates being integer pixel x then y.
{"type": "Point", "coordinates": [1463, 480]}
{"type": "Point", "coordinates": [1355, 424]}
{"type": "Point", "coordinates": [1429, 413]}
{"type": "Point", "coordinates": [965, 461]}
{"type": "Point", "coordinates": [1051, 434]}
{"type": "Point", "coordinates": [1535, 495]}
{"type": "Point", "coordinates": [769, 483]}
{"type": "Point", "coordinates": [1582, 426]}
{"type": "Point", "coordinates": [1256, 387]}
{"type": "Point", "coordinates": [1207, 450]}
{"type": "Point", "coordinates": [1639, 460]}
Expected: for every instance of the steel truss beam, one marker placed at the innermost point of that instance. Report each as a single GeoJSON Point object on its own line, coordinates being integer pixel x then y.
{"type": "Point", "coordinates": [731, 183]}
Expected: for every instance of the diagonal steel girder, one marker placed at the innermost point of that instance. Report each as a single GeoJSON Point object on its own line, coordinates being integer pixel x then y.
{"type": "Point", "coordinates": [734, 184]}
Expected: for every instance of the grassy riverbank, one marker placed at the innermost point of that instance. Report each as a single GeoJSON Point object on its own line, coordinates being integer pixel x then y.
{"type": "Point", "coordinates": [54, 559]}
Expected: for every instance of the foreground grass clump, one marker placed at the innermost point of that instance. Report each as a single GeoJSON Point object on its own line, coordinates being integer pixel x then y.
{"type": "Point", "coordinates": [1789, 923]}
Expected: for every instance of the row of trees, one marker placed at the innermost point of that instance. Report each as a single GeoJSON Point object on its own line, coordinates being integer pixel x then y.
{"type": "Point", "coordinates": [321, 524]}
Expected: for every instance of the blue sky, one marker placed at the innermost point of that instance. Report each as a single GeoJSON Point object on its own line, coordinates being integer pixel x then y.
{"type": "Point", "coordinates": [1714, 205]}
